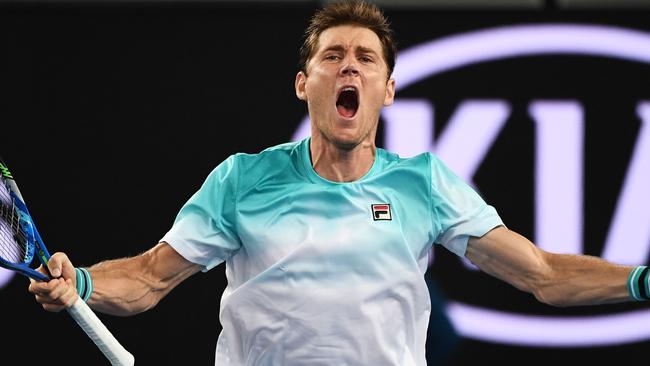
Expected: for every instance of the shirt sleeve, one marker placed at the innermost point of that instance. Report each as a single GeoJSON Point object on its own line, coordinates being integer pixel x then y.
{"type": "Point", "coordinates": [204, 231]}
{"type": "Point", "coordinates": [459, 211]}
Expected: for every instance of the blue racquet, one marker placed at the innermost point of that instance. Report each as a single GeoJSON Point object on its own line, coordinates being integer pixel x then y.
{"type": "Point", "coordinates": [20, 243]}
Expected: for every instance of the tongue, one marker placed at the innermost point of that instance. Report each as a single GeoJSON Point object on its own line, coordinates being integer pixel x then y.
{"type": "Point", "coordinates": [345, 111]}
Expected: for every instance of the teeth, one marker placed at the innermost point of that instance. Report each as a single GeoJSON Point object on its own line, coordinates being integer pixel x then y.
{"type": "Point", "coordinates": [349, 88]}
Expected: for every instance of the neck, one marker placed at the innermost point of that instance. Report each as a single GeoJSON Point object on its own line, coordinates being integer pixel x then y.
{"type": "Point", "coordinates": [341, 165]}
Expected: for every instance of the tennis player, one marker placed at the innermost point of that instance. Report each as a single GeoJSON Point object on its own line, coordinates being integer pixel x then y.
{"type": "Point", "coordinates": [326, 240]}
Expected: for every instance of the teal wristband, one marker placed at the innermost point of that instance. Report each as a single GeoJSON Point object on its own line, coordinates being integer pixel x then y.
{"type": "Point", "coordinates": [84, 283]}
{"type": "Point", "coordinates": [638, 283]}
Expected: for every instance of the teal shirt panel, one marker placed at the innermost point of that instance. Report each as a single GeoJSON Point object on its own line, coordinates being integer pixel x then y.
{"type": "Point", "coordinates": [249, 199]}
{"type": "Point", "coordinates": [204, 230]}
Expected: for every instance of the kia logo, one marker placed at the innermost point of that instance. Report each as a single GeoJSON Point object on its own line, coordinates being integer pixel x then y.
{"type": "Point", "coordinates": [559, 146]}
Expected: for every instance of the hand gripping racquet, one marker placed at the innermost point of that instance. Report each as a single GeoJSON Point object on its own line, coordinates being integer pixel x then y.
{"type": "Point", "coordinates": [20, 242]}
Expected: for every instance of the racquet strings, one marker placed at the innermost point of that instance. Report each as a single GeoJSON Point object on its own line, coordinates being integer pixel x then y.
{"type": "Point", "coordinates": [13, 244]}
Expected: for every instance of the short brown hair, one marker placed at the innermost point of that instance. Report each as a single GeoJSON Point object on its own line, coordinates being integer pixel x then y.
{"type": "Point", "coordinates": [355, 12]}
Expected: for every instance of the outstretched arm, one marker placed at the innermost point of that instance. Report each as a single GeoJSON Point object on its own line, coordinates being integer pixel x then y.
{"type": "Point", "coordinates": [121, 287]}
{"type": "Point", "coordinates": [555, 279]}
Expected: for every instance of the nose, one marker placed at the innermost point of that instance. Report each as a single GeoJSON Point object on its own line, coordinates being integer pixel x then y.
{"type": "Point", "coordinates": [350, 68]}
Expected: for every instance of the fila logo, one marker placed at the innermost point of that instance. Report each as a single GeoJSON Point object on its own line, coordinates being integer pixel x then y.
{"type": "Point", "coordinates": [560, 134]}
{"type": "Point", "coordinates": [381, 212]}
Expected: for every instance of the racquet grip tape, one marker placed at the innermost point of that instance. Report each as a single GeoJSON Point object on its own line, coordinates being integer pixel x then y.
{"type": "Point", "coordinates": [97, 331]}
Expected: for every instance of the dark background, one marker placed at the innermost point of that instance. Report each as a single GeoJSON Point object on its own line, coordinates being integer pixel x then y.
{"type": "Point", "coordinates": [112, 115]}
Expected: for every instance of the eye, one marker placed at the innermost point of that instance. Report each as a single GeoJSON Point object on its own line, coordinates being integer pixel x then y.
{"type": "Point", "coordinates": [332, 57]}
{"type": "Point", "coordinates": [366, 59]}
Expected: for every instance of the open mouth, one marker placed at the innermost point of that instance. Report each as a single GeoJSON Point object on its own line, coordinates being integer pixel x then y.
{"type": "Point", "coordinates": [348, 102]}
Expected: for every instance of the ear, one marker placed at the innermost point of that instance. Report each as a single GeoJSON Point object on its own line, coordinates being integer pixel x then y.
{"type": "Point", "coordinates": [301, 79]}
{"type": "Point", "coordinates": [390, 92]}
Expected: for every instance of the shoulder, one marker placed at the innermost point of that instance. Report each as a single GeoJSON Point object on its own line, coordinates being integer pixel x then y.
{"type": "Point", "coordinates": [272, 163]}
{"type": "Point", "coordinates": [425, 166]}
{"type": "Point", "coordinates": [413, 172]}
{"type": "Point", "coordinates": [392, 160]}
{"type": "Point", "coordinates": [427, 161]}
{"type": "Point", "coordinates": [269, 156]}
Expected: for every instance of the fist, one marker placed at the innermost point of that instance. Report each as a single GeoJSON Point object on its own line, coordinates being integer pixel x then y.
{"type": "Point", "coordinates": [60, 292]}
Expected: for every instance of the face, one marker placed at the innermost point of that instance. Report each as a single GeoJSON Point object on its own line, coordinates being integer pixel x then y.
{"type": "Point", "coordinates": [345, 86]}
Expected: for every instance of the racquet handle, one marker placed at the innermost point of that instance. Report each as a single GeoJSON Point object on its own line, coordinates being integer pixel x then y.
{"type": "Point", "coordinates": [98, 332]}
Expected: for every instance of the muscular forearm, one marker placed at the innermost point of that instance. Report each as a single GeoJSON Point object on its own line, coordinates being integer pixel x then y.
{"type": "Point", "coordinates": [132, 285]}
{"type": "Point", "coordinates": [581, 280]}
{"type": "Point", "coordinates": [121, 290]}
{"type": "Point", "coordinates": [556, 279]}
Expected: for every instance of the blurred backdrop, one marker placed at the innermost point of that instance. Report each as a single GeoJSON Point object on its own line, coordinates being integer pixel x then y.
{"type": "Point", "coordinates": [113, 113]}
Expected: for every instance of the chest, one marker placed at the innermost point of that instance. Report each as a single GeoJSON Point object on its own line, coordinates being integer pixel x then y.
{"type": "Point", "coordinates": [347, 223]}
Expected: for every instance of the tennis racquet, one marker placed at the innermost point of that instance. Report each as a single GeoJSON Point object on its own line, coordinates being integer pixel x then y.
{"type": "Point", "coordinates": [20, 243]}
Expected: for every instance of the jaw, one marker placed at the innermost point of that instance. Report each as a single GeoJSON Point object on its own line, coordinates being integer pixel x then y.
{"type": "Point", "coordinates": [344, 119]}
{"type": "Point", "coordinates": [345, 133]}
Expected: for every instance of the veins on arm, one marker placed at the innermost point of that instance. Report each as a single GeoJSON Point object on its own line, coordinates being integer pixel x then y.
{"type": "Point", "coordinates": [555, 279]}
{"type": "Point", "coordinates": [132, 285]}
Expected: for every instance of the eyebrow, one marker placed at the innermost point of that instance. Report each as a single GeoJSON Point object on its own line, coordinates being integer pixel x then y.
{"type": "Point", "coordinates": [336, 48]}
{"type": "Point", "coordinates": [359, 49]}
{"type": "Point", "coordinates": [362, 49]}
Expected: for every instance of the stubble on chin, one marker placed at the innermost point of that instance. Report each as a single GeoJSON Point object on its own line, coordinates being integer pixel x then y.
{"type": "Point", "coordinates": [348, 144]}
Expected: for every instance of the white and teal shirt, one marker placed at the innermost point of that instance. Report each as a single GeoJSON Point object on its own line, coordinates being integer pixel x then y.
{"type": "Point", "coordinates": [320, 272]}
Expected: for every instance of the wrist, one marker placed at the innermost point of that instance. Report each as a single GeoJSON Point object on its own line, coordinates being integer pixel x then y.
{"type": "Point", "coordinates": [84, 283]}
{"type": "Point", "coordinates": [638, 283]}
